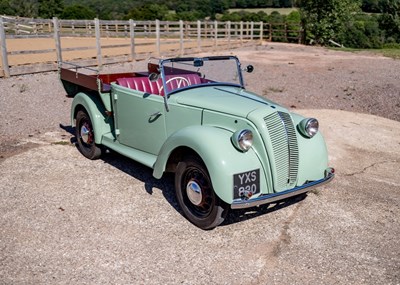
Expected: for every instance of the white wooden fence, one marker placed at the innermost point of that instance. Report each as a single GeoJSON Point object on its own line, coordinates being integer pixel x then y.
{"type": "Point", "coordinates": [97, 42]}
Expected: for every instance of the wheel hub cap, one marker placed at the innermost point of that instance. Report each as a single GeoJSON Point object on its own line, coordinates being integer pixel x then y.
{"type": "Point", "coordinates": [85, 132]}
{"type": "Point", "coordinates": [194, 194]}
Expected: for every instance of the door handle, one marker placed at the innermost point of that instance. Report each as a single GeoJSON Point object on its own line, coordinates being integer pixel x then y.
{"type": "Point", "coordinates": [154, 116]}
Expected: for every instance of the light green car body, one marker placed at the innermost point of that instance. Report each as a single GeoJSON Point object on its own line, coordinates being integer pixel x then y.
{"type": "Point", "coordinates": [202, 120]}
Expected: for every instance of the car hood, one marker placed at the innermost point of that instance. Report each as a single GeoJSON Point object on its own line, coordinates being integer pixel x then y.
{"type": "Point", "coordinates": [225, 99]}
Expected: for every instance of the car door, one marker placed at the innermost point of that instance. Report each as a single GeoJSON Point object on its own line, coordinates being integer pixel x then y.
{"type": "Point", "coordinates": [139, 119]}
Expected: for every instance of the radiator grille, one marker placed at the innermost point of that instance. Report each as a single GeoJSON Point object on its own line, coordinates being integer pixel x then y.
{"type": "Point", "coordinates": [282, 134]}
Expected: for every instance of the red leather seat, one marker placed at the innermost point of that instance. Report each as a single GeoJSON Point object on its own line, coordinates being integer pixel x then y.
{"type": "Point", "coordinates": [143, 84]}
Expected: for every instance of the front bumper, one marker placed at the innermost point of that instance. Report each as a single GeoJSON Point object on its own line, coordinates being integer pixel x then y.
{"type": "Point", "coordinates": [270, 198]}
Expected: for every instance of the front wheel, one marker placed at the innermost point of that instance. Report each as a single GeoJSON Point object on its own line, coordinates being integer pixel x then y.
{"type": "Point", "coordinates": [84, 133]}
{"type": "Point", "coordinates": [196, 195]}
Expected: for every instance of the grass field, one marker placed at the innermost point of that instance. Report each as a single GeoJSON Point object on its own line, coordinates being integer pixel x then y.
{"type": "Point", "coordinates": [388, 52]}
{"type": "Point", "coordinates": [282, 11]}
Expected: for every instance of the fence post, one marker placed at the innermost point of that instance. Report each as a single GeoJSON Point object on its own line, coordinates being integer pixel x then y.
{"type": "Point", "coordinates": [132, 37]}
{"type": "Point", "coordinates": [300, 35]}
{"type": "Point", "coordinates": [57, 40]}
{"type": "Point", "coordinates": [261, 32]}
{"type": "Point", "coordinates": [158, 47]}
{"type": "Point", "coordinates": [198, 35]}
{"type": "Point", "coordinates": [4, 57]}
{"type": "Point", "coordinates": [215, 34]}
{"type": "Point", "coordinates": [241, 32]}
{"type": "Point", "coordinates": [286, 33]}
{"type": "Point", "coordinates": [270, 31]}
{"type": "Point", "coordinates": [98, 43]}
{"type": "Point", "coordinates": [181, 37]}
{"type": "Point", "coordinates": [228, 28]}
{"type": "Point", "coordinates": [251, 30]}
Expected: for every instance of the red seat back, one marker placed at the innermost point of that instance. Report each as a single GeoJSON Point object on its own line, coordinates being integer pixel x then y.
{"type": "Point", "coordinates": [143, 84]}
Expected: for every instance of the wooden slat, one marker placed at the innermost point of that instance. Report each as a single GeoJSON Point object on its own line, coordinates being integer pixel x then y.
{"type": "Point", "coordinates": [222, 34]}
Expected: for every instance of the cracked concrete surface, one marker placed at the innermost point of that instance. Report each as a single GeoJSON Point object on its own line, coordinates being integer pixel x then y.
{"type": "Point", "coordinates": [65, 219]}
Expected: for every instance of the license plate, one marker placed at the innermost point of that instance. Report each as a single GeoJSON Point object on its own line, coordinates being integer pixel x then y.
{"type": "Point", "coordinates": [245, 183]}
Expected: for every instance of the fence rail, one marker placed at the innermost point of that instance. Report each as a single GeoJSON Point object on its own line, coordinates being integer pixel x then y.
{"type": "Point", "coordinates": [37, 45]}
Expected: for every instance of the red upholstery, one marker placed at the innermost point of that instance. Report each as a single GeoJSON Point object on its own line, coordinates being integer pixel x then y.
{"type": "Point", "coordinates": [143, 84]}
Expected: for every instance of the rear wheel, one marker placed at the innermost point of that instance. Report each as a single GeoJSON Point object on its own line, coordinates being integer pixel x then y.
{"type": "Point", "coordinates": [84, 133]}
{"type": "Point", "coordinates": [196, 195]}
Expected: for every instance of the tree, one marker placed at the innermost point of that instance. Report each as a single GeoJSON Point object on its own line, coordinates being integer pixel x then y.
{"type": "Point", "coordinates": [50, 8]}
{"type": "Point", "coordinates": [23, 8]}
{"type": "Point", "coordinates": [78, 12]}
{"type": "Point", "coordinates": [148, 12]}
{"type": "Point", "coordinates": [325, 20]}
{"type": "Point", "coordinates": [389, 20]}
{"type": "Point", "coordinates": [370, 6]}
{"type": "Point", "coordinates": [362, 32]}
{"type": "Point", "coordinates": [5, 8]}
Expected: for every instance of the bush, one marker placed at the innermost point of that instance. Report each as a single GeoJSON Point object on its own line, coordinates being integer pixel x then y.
{"type": "Point", "coordinates": [362, 32]}
{"type": "Point", "coordinates": [78, 12]}
{"type": "Point", "coordinates": [392, 46]}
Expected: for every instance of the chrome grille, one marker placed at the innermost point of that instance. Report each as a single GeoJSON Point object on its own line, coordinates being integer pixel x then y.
{"type": "Point", "coordinates": [282, 134]}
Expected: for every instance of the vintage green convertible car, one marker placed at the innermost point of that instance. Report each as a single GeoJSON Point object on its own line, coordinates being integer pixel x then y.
{"type": "Point", "coordinates": [228, 147]}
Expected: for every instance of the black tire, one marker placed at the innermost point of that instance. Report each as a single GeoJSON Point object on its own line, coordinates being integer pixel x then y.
{"type": "Point", "coordinates": [84, 133]}
{"type": "Point", "coordinates": [203, 208]}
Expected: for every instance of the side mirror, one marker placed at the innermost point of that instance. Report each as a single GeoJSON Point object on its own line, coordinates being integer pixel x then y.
{"type": "Point", "coordinates": [198, 62]}
{"type": "Point", "coordinates": [153, 77]}
{"type": "Point", "coordinates": [249, 68]}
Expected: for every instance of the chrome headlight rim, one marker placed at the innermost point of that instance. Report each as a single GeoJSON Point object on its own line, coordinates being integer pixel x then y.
{"type": "Point", "coordinates": [309, 127]}
{"type": "Point", "coordinates": [243, 139]}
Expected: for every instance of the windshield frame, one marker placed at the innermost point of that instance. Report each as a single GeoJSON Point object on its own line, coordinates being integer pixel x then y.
{"type": "Point", "coordinates": [163, 67]}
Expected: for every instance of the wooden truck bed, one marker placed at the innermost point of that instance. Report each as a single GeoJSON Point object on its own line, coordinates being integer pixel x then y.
{"type": "Point", "coordinates": [75, 81]}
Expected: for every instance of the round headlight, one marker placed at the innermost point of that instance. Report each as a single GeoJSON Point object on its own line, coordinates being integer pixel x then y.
{"type": "Point", "coordinates": [309, 127]}
{"type": "Point", "coordinates": [243, 140]}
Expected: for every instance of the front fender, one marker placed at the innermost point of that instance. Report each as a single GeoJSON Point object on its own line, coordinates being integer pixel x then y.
{"type": "Point", "coordinates": [221, 158]}
{"type": "Point", "coordinates": [313, 155]}
{"type": "Point", "coordinates": [102, 123]}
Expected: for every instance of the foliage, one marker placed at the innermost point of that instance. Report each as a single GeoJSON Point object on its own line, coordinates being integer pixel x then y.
{"type": "Point", "coordinates": [78, 12]}
{"type": "Point", "coordinates": [148, 12]}
{"type": "Point", "coordinates": [326, 19]}
{"type": "Point", "coordinates": [362, 32]}
{"type": "Point", "coordinates": [370, 6]}
{"type": "Point", "coordinates": [389, 20]}
{"type": "Point", "coordinates": [243, 15]}
{"type": "Point", "coordinates": [5, 8]}
{"type": "Point", "coordinates": [50, 8]}
{"type": "Point", "coordinates": [23, 8]}
{"type": "Point", "coordinates": [392, 51]}
{"type": "Point", "coordinates": [293, 20]}
{"type": "Point", "coordinates": [201, 8]}
{"type": "Point", "coordinates": [323, 20]}
{"type": "Point", "coordinates": [261, 3]}
{"type": "Point", "coordinates": [32, 8]}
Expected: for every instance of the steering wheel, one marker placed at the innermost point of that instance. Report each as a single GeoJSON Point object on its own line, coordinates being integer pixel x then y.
{"type": "Point", "coordinates": [179, 81]}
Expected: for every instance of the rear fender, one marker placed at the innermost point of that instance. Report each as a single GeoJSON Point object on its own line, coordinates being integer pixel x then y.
{"type": "Point", "coordinates": [102, 123]}
{"type": "Point", "coordinates": [221, 158]}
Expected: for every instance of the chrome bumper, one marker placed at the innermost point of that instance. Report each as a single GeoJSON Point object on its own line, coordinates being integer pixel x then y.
{"type": "Point", "coordinates": [270, 198]}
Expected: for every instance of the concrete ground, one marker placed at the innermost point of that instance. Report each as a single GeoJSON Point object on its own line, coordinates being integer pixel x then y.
{"type": "Point", "coordinates": [68, 220]}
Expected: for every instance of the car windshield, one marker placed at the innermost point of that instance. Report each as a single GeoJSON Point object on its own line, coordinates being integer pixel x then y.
{"type": "Point", "coordinates": [184, 73]}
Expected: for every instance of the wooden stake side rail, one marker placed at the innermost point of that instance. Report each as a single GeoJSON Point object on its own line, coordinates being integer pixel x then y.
{"type": "Point", "coordinates": [97, 42]}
